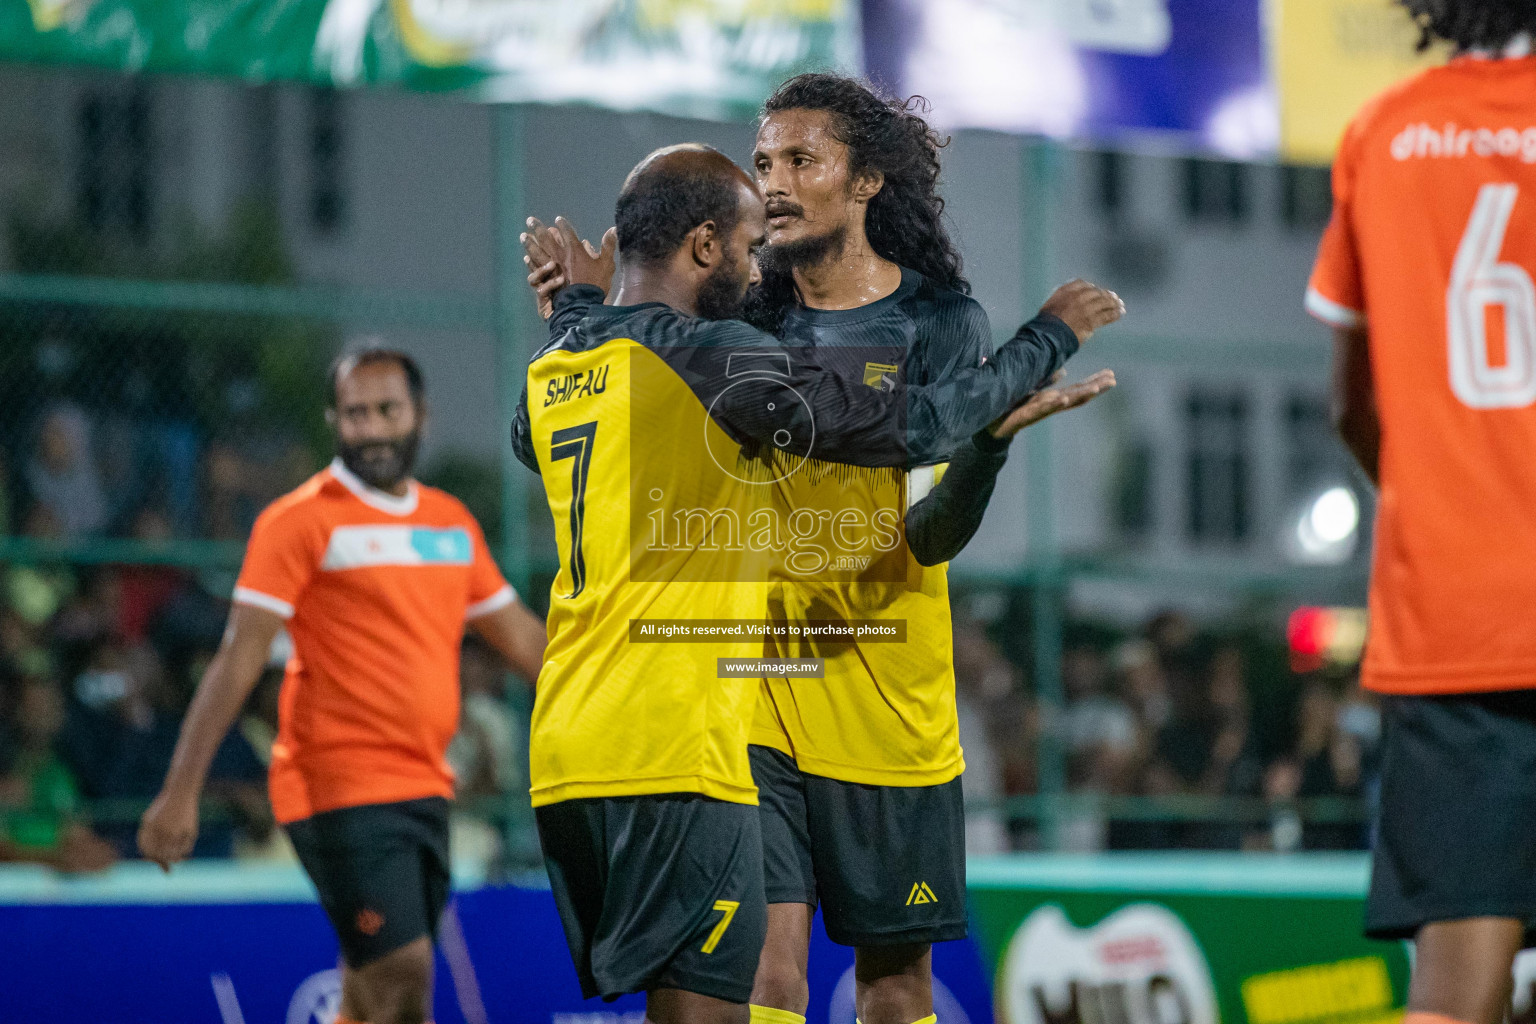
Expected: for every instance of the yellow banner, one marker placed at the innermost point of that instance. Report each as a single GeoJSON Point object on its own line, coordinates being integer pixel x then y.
{"type": "Point", "coordinates": [1331, 56]}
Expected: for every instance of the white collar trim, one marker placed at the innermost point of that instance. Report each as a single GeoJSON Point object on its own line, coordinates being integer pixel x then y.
{"type": "Point", "coordinates": [370, 495]}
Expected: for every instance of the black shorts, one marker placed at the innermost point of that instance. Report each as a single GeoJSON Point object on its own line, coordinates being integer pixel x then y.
{"type": "Point", "coordinates": [381, 871]}
{"type": "Point", "coordinates": [1457, 830]}
{"type": "Point", "coordinates": [658, 892]}
{"type": "Point", "coordinates": [886, 863]}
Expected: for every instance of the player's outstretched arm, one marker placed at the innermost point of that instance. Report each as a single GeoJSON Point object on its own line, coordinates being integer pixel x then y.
{"type": "Point", "coordinates": [942, 523]}
{"type": "Point", "coordinates": [1354, 399]}
{"type": "Point", "coordinates": [518, 635]}
{"type": "Point", "coordinates": [169, 828]}
{"type": "Point", "coordinates": [840, 420]}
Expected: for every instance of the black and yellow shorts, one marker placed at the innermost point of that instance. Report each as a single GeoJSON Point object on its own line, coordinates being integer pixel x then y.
{"type": "Point", "coordinates": [886, 863]}
{"type": "Point", "coordinates": [658, 892]}
{"type": "Point", "coordinates": [381, 871]}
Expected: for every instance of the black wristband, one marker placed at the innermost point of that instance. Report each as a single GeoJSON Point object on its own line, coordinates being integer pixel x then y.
{"type": "Point", "coordinates": [989, 445]}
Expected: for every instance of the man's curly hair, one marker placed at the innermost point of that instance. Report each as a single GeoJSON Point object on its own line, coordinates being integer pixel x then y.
{"type": "Point", "coordinates": [1471, 24]}
{"type": "Point", "coordinates": [905, 220]}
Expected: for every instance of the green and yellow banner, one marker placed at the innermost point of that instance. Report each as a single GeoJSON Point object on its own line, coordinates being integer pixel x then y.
{"type": "Point", "coordinates": [709, 58]}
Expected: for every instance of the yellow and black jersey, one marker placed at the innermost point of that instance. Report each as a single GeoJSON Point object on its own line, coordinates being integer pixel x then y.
{"type": "Point", "coordinates": [885, 712]}
{"type": "Point", "coordinates": [666, 443]}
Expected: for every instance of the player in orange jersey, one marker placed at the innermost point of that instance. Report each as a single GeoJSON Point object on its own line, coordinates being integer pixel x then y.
{"type": "Point", "coordinates": [375, 577]}
{"type": "Point", "coordinates": [1425, 274]}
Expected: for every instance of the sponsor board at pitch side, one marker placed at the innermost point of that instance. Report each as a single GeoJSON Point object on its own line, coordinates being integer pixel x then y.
{"type": "Point", "coordinates": [1140, 965]}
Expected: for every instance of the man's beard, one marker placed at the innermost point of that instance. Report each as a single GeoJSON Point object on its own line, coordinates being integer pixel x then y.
{"type": "Point", "coordinates": [804, 252]}
{"type": "Point", "coordinates": [722, 296]}
{"type": "Point", "coordinates": [381, 464]}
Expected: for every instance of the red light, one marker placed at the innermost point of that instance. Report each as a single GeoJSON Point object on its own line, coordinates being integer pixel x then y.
{"type": "Point", "coordinates": [1308, 633]}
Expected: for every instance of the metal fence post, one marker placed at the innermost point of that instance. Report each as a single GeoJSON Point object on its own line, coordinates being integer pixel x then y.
{"type": "Point", "coordinates": [1041, 167]}
{"type": "Point", "coordinates": [509, 201]}
{"type": "Point", "coordinates": [510, 204]}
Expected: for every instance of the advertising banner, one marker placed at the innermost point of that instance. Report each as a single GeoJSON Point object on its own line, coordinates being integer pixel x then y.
{"type": "Point", "coordinates": [231, 944]}
{"type": "Point", "coordinates": [1120, 939]}
{"type": "Point", "coordinates": [1181, 74]}
{"type": "Point", "coordinates": [1330, 57]}
{"type": "Point", "coordinates": [706, 58]}
{"type": "Point", "coordinates": [1184, 940]}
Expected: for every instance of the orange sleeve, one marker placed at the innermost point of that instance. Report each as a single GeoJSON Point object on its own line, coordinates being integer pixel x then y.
{"type": "Point", "coordinates": [282, 556]}
{"type": "Point", "coordinates": [489, 590]}
{"type": "Point", "coordinates": [1336, 294]}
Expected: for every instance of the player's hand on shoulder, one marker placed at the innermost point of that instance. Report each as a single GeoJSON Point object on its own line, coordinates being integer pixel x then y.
{"type": "Point", "coordinates": [1084, 307]}
{"type": "Point", "coordinates": [1050, 400]}
{"type": "Point", "coordinates": [168, 830]}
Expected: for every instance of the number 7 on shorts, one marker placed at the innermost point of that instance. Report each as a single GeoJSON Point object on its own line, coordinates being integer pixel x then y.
{"type": "Point", "coordinates": [729, 908]}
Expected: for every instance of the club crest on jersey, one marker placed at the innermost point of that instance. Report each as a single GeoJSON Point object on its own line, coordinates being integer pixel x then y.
{"type": "Point", "coordinates": [581, 384]}
{"type": "Point", "coordinates": [881, 376]}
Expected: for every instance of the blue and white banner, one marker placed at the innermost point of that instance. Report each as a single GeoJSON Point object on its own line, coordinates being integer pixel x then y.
{"type": "Point", "coordinates": [1190, 74]}
{"type": "Point", "coordinates": [216, 943]}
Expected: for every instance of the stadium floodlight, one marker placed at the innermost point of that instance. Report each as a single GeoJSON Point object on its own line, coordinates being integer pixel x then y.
{"type": "Point", "coordinates": [1328, 527]}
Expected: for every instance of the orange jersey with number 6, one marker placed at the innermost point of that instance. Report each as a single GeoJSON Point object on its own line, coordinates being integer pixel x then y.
{"type": "Point", "coordinates": [1432, 249]}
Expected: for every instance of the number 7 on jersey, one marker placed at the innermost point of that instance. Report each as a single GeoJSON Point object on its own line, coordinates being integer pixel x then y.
{"type": "Point", "coordinates": [576, 443]}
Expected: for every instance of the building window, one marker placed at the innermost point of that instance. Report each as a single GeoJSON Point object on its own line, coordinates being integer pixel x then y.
{"type": "Point", "coordinates": [1217, 191]}
{"type": "Point", "coordinates": [1216, 424]}
{"type": "Point", "coordinates": [1113, 180]}
{"type": "Point", "coordinates": [1306, 197]}
{"type": "Point", "coordinates": [1132, 490]}
{"type": "Point", "coordinates": [115, 161]}
{"type": "Point", "coordinates": [327, 163]}
{"type": "Point", "coordinates": [1315, 457]}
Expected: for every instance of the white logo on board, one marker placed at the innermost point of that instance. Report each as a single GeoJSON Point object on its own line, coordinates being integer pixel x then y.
{"type": "Point", "coordinates": [1140, 965]}
{"type": "Point", "coordinates": [317, 999]}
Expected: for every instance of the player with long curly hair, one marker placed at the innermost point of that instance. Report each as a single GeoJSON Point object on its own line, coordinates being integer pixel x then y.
{"type": "Point", "coordinates": [858, 773]}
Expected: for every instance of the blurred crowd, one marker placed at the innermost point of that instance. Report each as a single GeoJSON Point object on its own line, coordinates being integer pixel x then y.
{"type": "Point", "coordinates": [72, 476]}
{"type": "Point", "coordinates": [97, 667]}
{"type": "Point", "coordinates": [1173, 713]}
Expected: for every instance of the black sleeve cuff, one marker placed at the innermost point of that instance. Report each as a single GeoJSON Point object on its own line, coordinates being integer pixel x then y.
{"type": "Point", "coordinates": [985, 443]}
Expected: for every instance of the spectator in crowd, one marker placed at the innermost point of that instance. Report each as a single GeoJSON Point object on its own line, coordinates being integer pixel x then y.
{"type": "Point", "coordinates": [992, 721]}
{"type": "Point", "coordinates": [1326, 761]}
{"type": "Point", "coordinates": [39, 801]}
{"type": "Point", "coordinates": [37, 592]}
{"type": "Point", "coordinates": [1142, 684]}
{"type": "Point", "coordinates": [120, 737]}
{"type": "Point", "coordinates": [145, 590]}
{"type": "Point", "coordinates": [261, 839]}
{"type": "Point", "coordinates": [62, 475]}
{"type": "Point", "coordinates": [488, 753]}
{"type": "Point", "coordinates": [1100, 731]}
